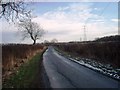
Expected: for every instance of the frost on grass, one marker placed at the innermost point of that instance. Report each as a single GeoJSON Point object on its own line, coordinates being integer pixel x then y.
{"type": "Point", "coordinates": [105, 69]}
{"type": "Point", "coordinates": [100, 67]}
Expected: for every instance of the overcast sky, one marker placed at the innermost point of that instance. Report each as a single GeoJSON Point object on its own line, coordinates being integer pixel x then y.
{"type": "Point", "coordinates": [65, 20]}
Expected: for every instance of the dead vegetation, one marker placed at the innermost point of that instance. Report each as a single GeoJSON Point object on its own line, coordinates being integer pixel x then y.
{"type": "Point", "coordinates": [14, 55]}
{"type": "Point", "coordinates": [105, 52]}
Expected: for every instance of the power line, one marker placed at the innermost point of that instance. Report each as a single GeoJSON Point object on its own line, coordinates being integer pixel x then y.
{"type": "Point", "coordinates": [105, 8]}
{"type": "Point", "coordinates": [101, 13]}
{"type": "Point", "coordinates": [84, 27]}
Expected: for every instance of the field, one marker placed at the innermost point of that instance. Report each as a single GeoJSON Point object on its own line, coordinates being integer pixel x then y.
{"type": "Point", "coordinates": [105, 52]}
{"type": "Point", "coordinates": [21, 63]}
{"type": "Point", "coordinates": [14, 55]}
{"type": "Point", "coordinates": [28, 74]}
{"type": "Point", "coordinates": [102, 56]}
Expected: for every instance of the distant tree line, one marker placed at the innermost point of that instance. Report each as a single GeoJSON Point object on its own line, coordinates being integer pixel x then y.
{"type": "Point", "coordinates": [108, 38]}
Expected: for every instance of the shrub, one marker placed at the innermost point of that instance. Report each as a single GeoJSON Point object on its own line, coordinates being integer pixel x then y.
{"type": "Point", "coordinates": [14, 55]}
{"type": "Point", "coordinates": [107, 52]}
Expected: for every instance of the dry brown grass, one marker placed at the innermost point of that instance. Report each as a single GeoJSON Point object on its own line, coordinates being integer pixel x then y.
{"type": "Point", "coordinates": [13, 55]}
{"type": "Point", "coordinates": [106, 52]}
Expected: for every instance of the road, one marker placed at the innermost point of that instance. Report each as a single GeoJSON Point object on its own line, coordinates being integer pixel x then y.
{"type": "Point", "coordinates": [64, 73]}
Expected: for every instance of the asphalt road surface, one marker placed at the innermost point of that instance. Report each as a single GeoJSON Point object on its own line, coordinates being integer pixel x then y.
{"type": "Point", "coordinates": [64, 73]}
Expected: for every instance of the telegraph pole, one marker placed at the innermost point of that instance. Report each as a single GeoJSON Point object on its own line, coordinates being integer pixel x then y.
{"type": "Point", "coordinates": [84, 29]}
{"type": "Point", "coordinates": [80, 39]}
{"type": "Point", "coordinates": [118, 27]}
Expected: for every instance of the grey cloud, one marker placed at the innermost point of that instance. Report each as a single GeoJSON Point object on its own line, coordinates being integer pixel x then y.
{"type": "Point", "coordinates": [10, 37]}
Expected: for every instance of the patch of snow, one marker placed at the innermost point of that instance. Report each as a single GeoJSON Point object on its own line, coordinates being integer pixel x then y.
{"type": "Point", "coordinates": [105, 69]}
{"type": "Point", "coordinates": [108, 70]}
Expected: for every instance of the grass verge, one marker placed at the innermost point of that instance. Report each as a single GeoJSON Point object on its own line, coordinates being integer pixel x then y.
{"type": "Point", "coordinates": [26, 74]}
{"type": "Point", "coordinates": [103, 68]}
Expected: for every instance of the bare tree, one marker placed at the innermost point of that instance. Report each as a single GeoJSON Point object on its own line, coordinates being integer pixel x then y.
{"type": "Point", "coordinates": [12, 10]}
{"type": "Point", "coordinates": [46, 41]}
{"type": "Point", "coordinates": [31, 30]}
{"type": "Point", "coordinates": [54, 40]}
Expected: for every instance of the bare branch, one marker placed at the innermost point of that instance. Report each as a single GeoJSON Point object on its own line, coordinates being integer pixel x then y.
{"type": "Point", "coordinates": [31, 30]}
{"type": "Point", "coordinates": [13, 10]}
